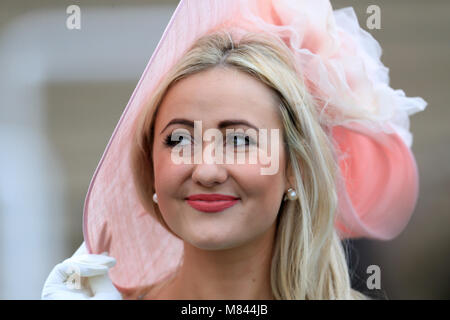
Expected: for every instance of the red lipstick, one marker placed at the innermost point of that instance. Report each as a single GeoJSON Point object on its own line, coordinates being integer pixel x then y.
{"type": "Point", "coordinates": [211, 202]}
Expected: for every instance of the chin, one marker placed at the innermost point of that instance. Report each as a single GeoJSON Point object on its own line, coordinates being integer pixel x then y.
{"type": "Point", "coordinates": [213, 244]}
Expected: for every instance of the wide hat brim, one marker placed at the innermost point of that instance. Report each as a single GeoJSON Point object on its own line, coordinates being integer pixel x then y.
{"type": "Point", "coordinates": [379, 186]}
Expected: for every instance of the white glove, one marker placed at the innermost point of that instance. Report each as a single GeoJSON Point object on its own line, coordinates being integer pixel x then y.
{"type": "Point", "coordinates": [84, 276]}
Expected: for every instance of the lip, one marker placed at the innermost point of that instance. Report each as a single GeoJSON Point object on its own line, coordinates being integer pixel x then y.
{"type": "Point", "coordinates": [211, 202]}
{"type": "Point", "coordinates": [211, 197]}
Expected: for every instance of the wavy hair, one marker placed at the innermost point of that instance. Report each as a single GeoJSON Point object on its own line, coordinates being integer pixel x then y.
{"type": "Point", "coordinates": [309, 260]}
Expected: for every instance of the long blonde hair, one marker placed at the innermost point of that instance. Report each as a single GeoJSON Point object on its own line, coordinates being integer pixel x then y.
{"type": "Point", "coordinates": [309, 260]}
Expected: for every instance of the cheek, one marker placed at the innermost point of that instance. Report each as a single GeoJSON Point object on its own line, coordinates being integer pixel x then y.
{"type": "Point", "coordinates": [167, 174]}
{"type": "Point", "coordinates": [168, 178]}
{"type": "Point", "coordinates": [259, 181]}
{"type": "Point", "coordinates": [266, 190]}
{"type": "Point", "coordinates": [263, 192]}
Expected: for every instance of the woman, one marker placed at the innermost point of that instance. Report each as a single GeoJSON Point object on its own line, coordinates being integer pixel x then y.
{"type": "Point", "coordinates": [343, 169]}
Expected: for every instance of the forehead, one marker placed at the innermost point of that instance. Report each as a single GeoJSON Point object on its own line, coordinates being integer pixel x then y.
{"type": "Point", "coordinates": [218, 94]}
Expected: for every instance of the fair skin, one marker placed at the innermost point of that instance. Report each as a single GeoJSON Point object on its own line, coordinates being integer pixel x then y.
{"type": "Point", "coordinates": [227, 254]}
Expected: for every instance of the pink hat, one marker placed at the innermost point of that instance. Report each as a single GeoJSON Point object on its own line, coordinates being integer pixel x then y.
{"type": "Point", "coordinates": [341, 65]}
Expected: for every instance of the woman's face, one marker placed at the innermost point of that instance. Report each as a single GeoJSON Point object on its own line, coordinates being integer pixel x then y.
{"type": "Point", "coordinates": [212, 97]}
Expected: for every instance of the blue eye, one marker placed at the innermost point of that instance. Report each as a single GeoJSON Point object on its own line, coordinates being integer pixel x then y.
{"type": "Point", "coordinates": [174, 139]}
{"type": "Point", "coordinates": [244, 139]}
{"type": "Point", "coordinates": [235, 140]}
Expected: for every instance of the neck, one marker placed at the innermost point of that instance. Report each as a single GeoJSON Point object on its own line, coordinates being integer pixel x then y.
{"type": "Point", "coordinates": [229, 274]}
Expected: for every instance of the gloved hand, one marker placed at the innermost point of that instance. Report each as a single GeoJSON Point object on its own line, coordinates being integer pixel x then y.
{"type": "Point", "coordinates": [84, 276]}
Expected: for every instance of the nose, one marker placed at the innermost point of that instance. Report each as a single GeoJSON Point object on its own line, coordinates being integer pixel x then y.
{"type": "Point", "coordinates": [209, 173]}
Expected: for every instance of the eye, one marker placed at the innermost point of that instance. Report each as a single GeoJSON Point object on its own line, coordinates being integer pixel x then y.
{"type": "Point", "coordinates": [175, 138]}
{"type": "Point", "coordinates": [239, 140]}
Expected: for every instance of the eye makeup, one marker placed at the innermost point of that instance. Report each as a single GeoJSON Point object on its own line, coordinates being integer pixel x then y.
{"type": "Point", "coordinates": [173, 139]}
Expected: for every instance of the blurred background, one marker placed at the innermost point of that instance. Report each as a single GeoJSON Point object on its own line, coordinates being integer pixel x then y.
{"type": "Point", "coordinates": [62, 93]}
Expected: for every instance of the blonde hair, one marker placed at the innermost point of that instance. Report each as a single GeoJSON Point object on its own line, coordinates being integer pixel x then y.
{"type": "Point", "coordinates": [309, 260]}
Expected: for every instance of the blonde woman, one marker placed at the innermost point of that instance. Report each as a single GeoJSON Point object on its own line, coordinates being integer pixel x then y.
{"type": "Point", "coordinates": [323, 159]}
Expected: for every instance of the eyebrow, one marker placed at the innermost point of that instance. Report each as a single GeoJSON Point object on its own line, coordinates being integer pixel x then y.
{"type": "Point", "coordinates": [222, 124]}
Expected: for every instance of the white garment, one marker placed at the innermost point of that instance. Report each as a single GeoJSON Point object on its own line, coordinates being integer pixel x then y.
{"type": "Point", "coordinates": [84, 276]}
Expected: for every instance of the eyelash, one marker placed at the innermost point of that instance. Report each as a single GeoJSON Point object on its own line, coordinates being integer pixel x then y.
{"type": "Point", "coordinates": [170, 143]}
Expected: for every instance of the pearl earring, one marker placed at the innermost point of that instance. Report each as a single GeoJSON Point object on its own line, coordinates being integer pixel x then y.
{"type": "Point", "coordinates": [155, 197]}
{"type": "Point", "coordinates": [291, 194]}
